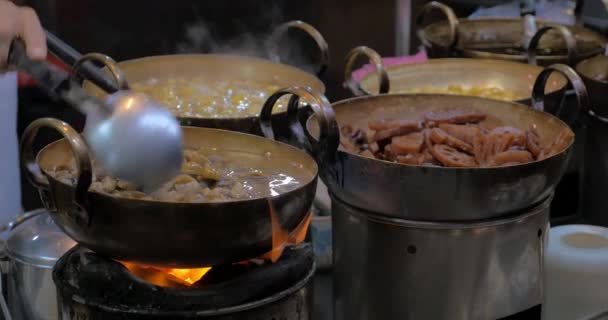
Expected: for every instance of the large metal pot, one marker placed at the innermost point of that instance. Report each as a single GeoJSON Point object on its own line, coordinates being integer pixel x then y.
{"type": "Point", "coordinates": [505, 39]}
{"type": "Point", "coordinates": [390, 268]}
{"type": "Point", "coordinates": [175, 234]}
{"type": "Point", "coordinates": [412, 192]}
{"type": "Point", "coordinates": [219, 67]}
{"type": "Point", "coordinates": [515, 78]}
{"type": "Point", "coordinates": [32, 249]}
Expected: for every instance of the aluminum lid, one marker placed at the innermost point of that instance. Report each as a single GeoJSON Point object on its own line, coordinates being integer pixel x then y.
{"type": "Point", "coordinates": [38, 241]}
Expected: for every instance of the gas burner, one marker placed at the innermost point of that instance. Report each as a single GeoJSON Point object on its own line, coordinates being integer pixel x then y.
{"type": "Point", "coordinates": [92, 287]}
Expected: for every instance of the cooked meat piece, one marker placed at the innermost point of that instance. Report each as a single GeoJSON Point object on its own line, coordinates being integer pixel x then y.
{"type": "Point", "coordinates": [449, 156]}
{"type": "Point", "coordinates": [413, 159]}
{"type": "Point", "coordinates": [466, 133]}
{"type": "Point", "coordinates": [563, 140]}
{"type": "Point", "coordinates": [389, 155]}
{"type": "Point", "coordinates": [441, 137]}
{"type": "Point", "coordinates": [455, 116]}
{"type": "Point", "coordinates": [391, 124]}
{"type": "Point", "coordinates": [400, 130]}
{"type": "Point", "coordinates": [510, 157]}
{"type": "Point", "coordinates": [411, 143]}
{"type": "Point", "coordinates": [507, 137]}
{"type": "Point", "coordinates": [479, 149]}
{"type": "Point", "coordinates": [533, 141]}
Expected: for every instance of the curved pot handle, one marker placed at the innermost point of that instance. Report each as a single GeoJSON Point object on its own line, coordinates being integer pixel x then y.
{"type": "Point", "coordinates": [566, 35]}
{"type": "Point", "coordinates": [106, 61]}
{"type": "Point", "coordinates": [79, 149]}
{"type": "Point", "coordinates": [280, 31]}
{"type": "Point", "coordinates": [324, 149]}
{"type": "Point", "coordinates": [376, 60]}
{"type": "Point", "coordinates": [449, 14]}
{"type": "Point", "coordinates": [538, 91]}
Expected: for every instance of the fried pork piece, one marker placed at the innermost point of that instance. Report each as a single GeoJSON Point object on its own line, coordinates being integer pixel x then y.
{"type": "Point", "coordinates": [441, 137]}
{"type": "Point", "coordinates": [510, 157]}
{"type": "Point", "coordinates": [397, 128]}
{"type": "Point", "coordinates": [466, 133]}
{"type": "Point", "coordinates": [533, 141]}
{"type": "Point", "coordinates": [563, 140]}
{"type": "Point", "coordinates": [408, 144]}
{"type": "Point", "coordinates": [455, 116]}
{"type": "Point", "coordinates": [412, 158]}
{"type": "Point", "coordinates": [450, 157]}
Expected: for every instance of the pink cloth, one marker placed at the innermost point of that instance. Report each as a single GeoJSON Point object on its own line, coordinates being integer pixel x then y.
{"type": "Point", "coordinates": [359, 74]}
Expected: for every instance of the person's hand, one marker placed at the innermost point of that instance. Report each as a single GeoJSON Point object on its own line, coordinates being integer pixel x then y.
{"type": "Point", "coordinates": [21, 22]}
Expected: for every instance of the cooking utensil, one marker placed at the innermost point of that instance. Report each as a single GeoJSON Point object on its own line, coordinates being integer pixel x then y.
{"type": "Point", "coordinates": [174, 234]}
{"type": "Point", "coordinates": [516, 78]}
{"type": "Point", "coordinates": [219, 67]}
{"type": "Point", "coordinates": [412, 192]}
{"type": "Point", "coordinates": [33, 248]}
{"type": "Point", "coordinates": [594, 72]}
{"type": "Point", "coordinates": [487, 269]}
{"type": "Point", "coordinates": [132, 136]}
{"type": "Point", "coordinates": [503, 39]}
{"type": "Point", "coordinates": [576, 272]}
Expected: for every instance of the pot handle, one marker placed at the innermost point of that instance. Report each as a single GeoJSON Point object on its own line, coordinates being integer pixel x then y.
{"type": "Point", "coordinates": [376, 60]}
{"type": "Point", "coordinates": [323, 149]}
{"type": "Point", "coordinates": [538, 91]}
{"type": "Point", "coordinates": [106, 61]}
{"type": "Point", "coordinates": [449, 14]}
{"type": "Point", "coordinates": [280, 31]}
{"type": "Point", "coordinates": [566, 35]}
{"type": "Point", "coordinates": [79, 149]}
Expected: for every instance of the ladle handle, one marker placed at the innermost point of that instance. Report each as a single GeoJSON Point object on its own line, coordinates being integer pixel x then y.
{"type": "Point", "coordinates": [324, 148]}
{"type": "Point", "coordinates": [582, 97]}
{"type": "Point", "coordinates": [281, 31]}
{"type": "Point", "coordinates": [88, 70]}
{"type": "Point", "coordinates": [376, 60]}
{"type": "Point", "coordinates": [38, 179]}
{"type": "Point", "coordinates": [565, 34]}
{"type": "Point", "coordinates": [449, 14]}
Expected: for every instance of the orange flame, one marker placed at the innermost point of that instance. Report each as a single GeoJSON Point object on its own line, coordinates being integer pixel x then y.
{"type": "Point", "coordinates": [282, 238]}
{"type": "Point", "coordinates": [167, 277]}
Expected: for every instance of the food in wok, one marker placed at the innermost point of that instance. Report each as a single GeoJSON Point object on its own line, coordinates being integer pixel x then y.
{"type": "Point", "coordinates": [203, 98]}
{"type": "Point", "coordinates": [208, 175]}
{"type": "Point", "coordinates": [452, 138]}
{"type": "Point", "coordinates": [491, 92]}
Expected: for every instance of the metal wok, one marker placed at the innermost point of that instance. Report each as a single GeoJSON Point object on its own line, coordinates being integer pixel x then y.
{"type": "Point", "coordinates": [175, 234]}
{"type": "Point", "coordinates": [594, 72]}
{"type": "Point", "coordinates": [218, 67]}
{"type": "Point", "coordinates": [516, 78]}
{"type": "Point", "coordinates": [503, 39]}
{"type": "Point", "coordinates": [426, 193]}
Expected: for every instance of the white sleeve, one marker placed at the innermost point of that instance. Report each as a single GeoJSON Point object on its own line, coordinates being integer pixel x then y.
{"type": "Point", "coordinates": [10, 186]}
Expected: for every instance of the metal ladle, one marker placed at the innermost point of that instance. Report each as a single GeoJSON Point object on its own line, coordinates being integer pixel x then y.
{"type": "Point", "coordinates": [130, 135]}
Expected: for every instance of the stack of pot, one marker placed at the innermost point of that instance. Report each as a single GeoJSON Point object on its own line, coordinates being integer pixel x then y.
{"type": "Point", "coordinates": [413, 242]}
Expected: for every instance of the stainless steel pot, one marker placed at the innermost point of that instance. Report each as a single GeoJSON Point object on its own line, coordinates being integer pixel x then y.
{"type": "Point", "coordinates": [218, 67]}
{"type": "Point", "coordinates": [418, 192]}
{"type": "Point", "coordinates": [512, 77]}
{"type": "Point", "coordinates": [165, 233]}
{"type": "Point", "coordinates": [33, 248]}
{"type": "Point", "coordinates": [503, 39]}
{"type": "Point", "coordinates": [389, 268]}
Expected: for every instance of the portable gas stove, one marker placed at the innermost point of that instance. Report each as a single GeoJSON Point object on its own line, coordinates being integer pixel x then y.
{"type": "Point", "coordinates": [93, 287]}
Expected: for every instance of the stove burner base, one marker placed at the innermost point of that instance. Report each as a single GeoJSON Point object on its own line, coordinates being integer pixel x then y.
{"type": "Point", "coordinates": [91, 287]}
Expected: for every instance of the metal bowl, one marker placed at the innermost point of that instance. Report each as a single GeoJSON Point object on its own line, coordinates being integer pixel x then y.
{"type": "Point", "coordinates": [516, 78]}
{"type": "Point", "coordinates": [418, 192]}
{"type": "Point", "coordinates": [503, 39]}
{"type": "Point", "coordinates": [175, 234]}
{"type": "Point", "coordinates": [594, 72]}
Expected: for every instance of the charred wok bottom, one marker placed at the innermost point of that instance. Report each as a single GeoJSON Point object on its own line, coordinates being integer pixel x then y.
{"type": "Point", "coordinates": [93, 287]}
